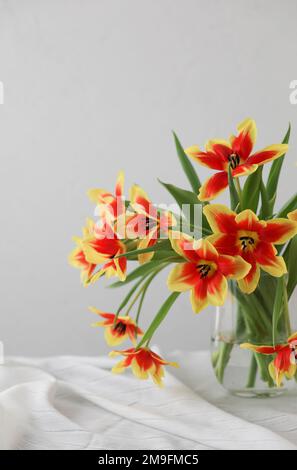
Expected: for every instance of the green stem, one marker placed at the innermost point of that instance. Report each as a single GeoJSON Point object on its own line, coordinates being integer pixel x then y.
{"type": "Point", "coordinates": [239, 190]}
{"type": "Point", "coordinates": [286, 308]}
{"type": "Point", "coordinates": [134, 301]}
{"type": "Point", "coordinates": [252, 373]}
{"type": "Point", "coordinates": [144, 289]}
{"type": "Point", "coordinates": [223, 359]}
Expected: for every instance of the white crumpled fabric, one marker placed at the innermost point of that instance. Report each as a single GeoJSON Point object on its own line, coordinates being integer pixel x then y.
{"type": "Point", "coordinates": [77, 403]}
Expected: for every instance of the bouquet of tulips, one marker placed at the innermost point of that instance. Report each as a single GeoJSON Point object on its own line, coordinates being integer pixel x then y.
{"type": "Point", "coordinates": [248, 249]}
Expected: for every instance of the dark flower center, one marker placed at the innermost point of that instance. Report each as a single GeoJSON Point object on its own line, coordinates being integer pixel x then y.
{"type": "Point", "coordinates": [203, 270]}
{"type": "Point", "coordinates": [234, 160]}
{"type": "Point", "coordinates": [246, 242]}
{"type": "Point", "coordinates": [120, 328]}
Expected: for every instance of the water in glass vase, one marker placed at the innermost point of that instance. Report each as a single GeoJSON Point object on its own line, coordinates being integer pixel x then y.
{"type": "Point", "coordinates": [237, 370]}
{"type": "Point", "coordinates": [249, 319]}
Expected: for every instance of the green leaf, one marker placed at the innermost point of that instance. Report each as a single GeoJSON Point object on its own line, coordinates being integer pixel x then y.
{"type": "Point", "coordinates": [251, 191]}
{"type": "Point", "coordinates": [274, 173]}
{"type": "Point", "coordinates": [278, 309]}
{"type": "Point", "coordinates": [290, 257]}
{"type": "Point", "coordinates": [234, 199]}
{"type": "Point", "coordinates": [265, 203]}
{"type": "Point", "coordinates": [182, 196]}
{"type": "Point", "coordinates": [290, 206]}
{"type": "Point", "coordinates": [157, 247]}
{"type": "Point", "coordinates": [159, 318]}
{"type": "Point", "coordinates": [187, 166]}
{"type": "Point", "coordinates": [137, 272]}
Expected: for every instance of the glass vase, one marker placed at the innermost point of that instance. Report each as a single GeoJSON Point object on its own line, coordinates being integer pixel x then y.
{"type": "Point", "coordinates": [249, 319]}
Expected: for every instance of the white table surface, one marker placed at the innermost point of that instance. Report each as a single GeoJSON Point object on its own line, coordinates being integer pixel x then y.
{"type": "Point", "coordinates": [77, 403]}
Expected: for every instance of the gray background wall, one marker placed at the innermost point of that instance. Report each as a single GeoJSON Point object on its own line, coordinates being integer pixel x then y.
{"type": "Point", "coordinates": [94, 86]}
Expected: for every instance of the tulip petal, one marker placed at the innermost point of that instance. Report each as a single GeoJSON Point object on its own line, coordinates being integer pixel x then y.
{"type": "Point", "coordinates": [100, 195]}
{"type": "Point", "coordinates": [140, 201]}
{"type": "Point", "coordinates": [198, 296]}
{"type": "Point", "coordinates": [183, 245]}
{"type": "Point", "coordinates": [243, 143]}
{"type": "Point", "coordinates": [220, 147]}
{"type": "Point", "coordinates": [205, 250]}
{"type": "Point", "coordinates": [77, 259]}
{"type": "Point", "coordinates": [225, 244]}
{"type": "Point", "coordinates": [120, 265]}
{"type": "Point", "coordinates": [247, 220]}
{"type": "Point", "coordinates": [112, 339]}
{"type": "Point", "coordinates": [249, 283]}
{"type": "Point", "coordinates": [120, 184]}
{"type": "Point", "coordinates": [146, 242]}
{"type": "Point", "coordinates": [211, 159]}
{"type": "Point", "coordinates": [292, 215]}
{"type": "Point", "coordinates": [293, 337]}
{"type": "Point", "coordinates": [276, 374]}
{"type": "Point", "coordinates": [279, 231]}
{"type": "Point", "coordinates": [268, 154]}
{"type": "Point", "coordinates": [213, 186]}
{"type": "Point", "coordinates": [220, 218]}
{"type": "Point", "coordinates": [183, 277]}
{"type": "Point", "coordinates": [94, 253]}
{"type": "Point", "coordinates": [233, 267]}
{"type": "Point", "coordinates": [258, 349]}
{"type": "Point", "coordinates": [217, 288]}
{"type": "Point", "coordinates": [244, 170]}
{"type": "Point", "coordinates": [265, 255]}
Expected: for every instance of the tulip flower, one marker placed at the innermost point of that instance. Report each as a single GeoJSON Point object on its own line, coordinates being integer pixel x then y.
{"type": "Point", "coordinates": [77, 257]}
{"type": "Point", "coordinates": [205, 271]}
{"type": "Point", "coordinates": [117, 329]}
{"type": "Point", "coordinates": [285, 361]}
{"type": "Point", "coordinates": [103, 247]}
{"type": "Point", "coordinates": [143, 362]}
{"type": "Point", "coordinates": [236, 153]}
{"type": "Point", "coordinates": [147, 224]}
{"type": "Point", "coordinates": [245, 235]}
{"type": "Point", "coordinates": [110, 206]}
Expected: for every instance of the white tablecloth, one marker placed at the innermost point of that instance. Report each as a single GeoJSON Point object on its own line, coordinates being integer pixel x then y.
{"type": "Point", "coordinates": [76, 403]}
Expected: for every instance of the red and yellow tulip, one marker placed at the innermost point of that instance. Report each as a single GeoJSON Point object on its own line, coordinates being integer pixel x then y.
{"type": "Point", "coordinates": [103, 247]}
{"type": "Point", "coordinates": [237, 153]}
{"type": "Point", "coordinates": [110, 206]}
{"type": "Point", "coordinates": [284, 363]}
{"type": "Point", "coordinates": [99, 245]}
{"type": "Point", "coordinates": [117, 330]}
{"type": "Point", "coordinates": [143, 362]}
{"type": "Point", "coordinates": [245, 235]}
{"type": "Point", "coordinates": [77, 257]}
{"type": "Point", "coordinates": [147, 224]}
{"type": "Point", "coordinates": [205, 271]}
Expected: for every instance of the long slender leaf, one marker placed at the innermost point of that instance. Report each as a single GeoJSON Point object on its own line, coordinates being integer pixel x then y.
{"type": "Point", "coordinates": [159, 318]}
{"type": "Point", "coordinates": [188, 202]}
{"type": "Point", "coordinates": [182, 196]}
{"type": "Point", "coordinates": [251, 191]}
{"type": "Point", "coordinates": [162, 245]}
{"type": "Point", "coordinates": [274, 173]}
{"type": "Point", "coordinates": [187, 166]}
{"type": "Point", "coordinates": [277, 310]}
{"type": "Point", "coordinates": [290, 257]}
{"type": "Point", "coordinates": [289, 206]}
{"type": "Point", "coordinates": [265, 203]}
